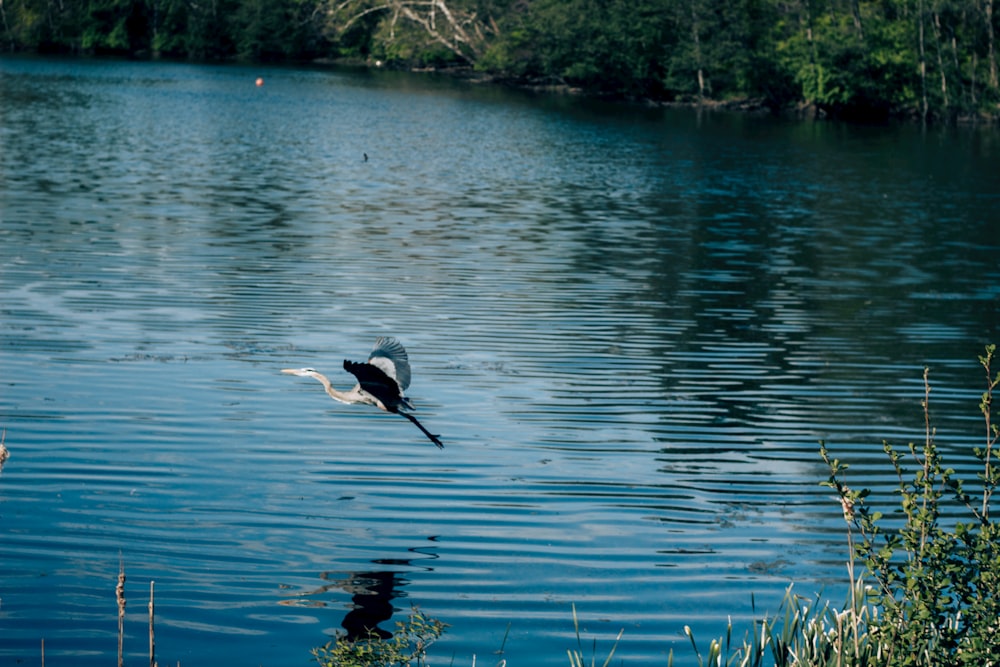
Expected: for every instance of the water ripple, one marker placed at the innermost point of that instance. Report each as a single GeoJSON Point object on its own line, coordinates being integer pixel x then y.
{"type": "Point", "coordinates": [631, 328]}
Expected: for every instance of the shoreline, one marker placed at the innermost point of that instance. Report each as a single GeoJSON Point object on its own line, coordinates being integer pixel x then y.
{"type": "Point", "coordinates": [747, 105]}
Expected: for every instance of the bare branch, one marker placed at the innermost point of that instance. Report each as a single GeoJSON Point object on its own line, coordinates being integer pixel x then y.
{"type": "Point", "coordinates": [440, 23]}
{"type": "Point", "coordinates": [360, 15]}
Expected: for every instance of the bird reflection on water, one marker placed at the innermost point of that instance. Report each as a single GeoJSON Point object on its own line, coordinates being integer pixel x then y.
{"type": "Point", "coordinates": [372, 593]}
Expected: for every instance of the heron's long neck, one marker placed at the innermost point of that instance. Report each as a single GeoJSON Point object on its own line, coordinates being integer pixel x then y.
{"type": "Point", "coordinates": [351, 396]}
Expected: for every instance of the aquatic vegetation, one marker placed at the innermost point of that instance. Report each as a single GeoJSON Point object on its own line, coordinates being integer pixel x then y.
{"type": "Point", "coordinates": [576, 658]}
{"type": "Point", "coordinates": [934, 591]}
{"type": "Point", "coordinates": [407, 646]}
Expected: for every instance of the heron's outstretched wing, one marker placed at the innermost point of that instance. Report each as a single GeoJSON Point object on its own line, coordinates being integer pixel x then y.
{"type": "Point", "coordinates": [377, 383]}
{"type": "Point", "coordinates": [389, 357]}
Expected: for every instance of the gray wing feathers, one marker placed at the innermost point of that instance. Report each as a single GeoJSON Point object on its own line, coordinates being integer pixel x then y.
{"type": "Point", "coordinates": [389, 357]}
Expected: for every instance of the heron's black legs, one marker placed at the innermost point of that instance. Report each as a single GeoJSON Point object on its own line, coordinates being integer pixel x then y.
{"type": "Point", "coordinates": [430, 435]}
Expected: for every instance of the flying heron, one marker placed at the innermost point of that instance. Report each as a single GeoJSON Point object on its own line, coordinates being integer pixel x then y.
{"type": "Point", "coordinates": [381, 381]}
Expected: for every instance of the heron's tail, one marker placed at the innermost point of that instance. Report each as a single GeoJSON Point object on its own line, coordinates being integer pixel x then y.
{"type": "Point", "coordinates": [430, 435]}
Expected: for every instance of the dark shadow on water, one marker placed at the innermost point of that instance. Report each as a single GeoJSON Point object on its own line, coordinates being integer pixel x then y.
{"type": "Point", "coordinates": [373, 592]}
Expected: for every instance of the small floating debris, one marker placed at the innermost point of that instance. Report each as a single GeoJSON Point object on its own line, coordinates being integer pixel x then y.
{"type": "Point", "coordinates": [259, 81]}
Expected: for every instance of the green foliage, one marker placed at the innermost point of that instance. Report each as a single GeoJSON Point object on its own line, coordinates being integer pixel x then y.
{"type": "Point", "coordinates": [404, 44]}
{"type": "Point", "coordinates": [265, 30]}
{"type": "Point", "coordinates": [933, 567]}
{"type": "Point", "coordinates": [113, 26]}
{"type": "Point", "coordinates": [857, 58]}
{"type": "Point", "coordinates": [408, 646]}
{"type": "Point", "coordinates": [606, 46]}
{"type": "Point", "coordinates": [937, 577]}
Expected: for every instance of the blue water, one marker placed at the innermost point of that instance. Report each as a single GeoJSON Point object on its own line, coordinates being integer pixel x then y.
{"type": "Point", "coordinates": [630, 326]}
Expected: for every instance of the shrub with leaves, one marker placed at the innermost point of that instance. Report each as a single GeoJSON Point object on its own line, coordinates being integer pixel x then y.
{"type": "Point", "coordinates": [408, 646]}
{"type": "Point", "coordinates": [935, 579]}
{"type": "Point", "coordinates": [928, 593]}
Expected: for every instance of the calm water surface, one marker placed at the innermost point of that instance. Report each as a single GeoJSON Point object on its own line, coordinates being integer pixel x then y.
{"type": "Point", "coordinates": [631, 328]}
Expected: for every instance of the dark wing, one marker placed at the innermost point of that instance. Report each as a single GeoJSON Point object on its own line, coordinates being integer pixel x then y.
{"type": "Point", "coordinates": [390, 357]}
{"type": "Point", "coordinates": [375, 381]}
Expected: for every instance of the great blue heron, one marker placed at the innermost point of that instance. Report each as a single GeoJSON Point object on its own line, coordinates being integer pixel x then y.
{"type": "Point", "coordinates": [381, 381]}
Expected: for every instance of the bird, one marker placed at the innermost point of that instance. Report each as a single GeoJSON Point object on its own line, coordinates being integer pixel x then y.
{"type": "Point", "coordinates": [381, 381]}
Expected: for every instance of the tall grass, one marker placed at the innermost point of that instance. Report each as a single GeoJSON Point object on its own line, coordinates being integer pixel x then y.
{"type": "Point", "coordinates": [934, 594]}
{"type": "Point", "coordinates": [576, 657]}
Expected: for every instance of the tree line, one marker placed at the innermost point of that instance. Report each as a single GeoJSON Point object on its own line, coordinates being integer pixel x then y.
{"type": "Point", "coordinates": [870, 59]}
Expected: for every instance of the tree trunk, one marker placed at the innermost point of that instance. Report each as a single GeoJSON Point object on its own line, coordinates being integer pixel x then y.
{"type": "Point", "coordinates": [972, 78]}
{"type": "Point", "coordinates": [6, 28]}
{"type": "Point", "coordinates": [940, 60]}
{"type": "Point", "coordinates": [697, 52]}
{"type": "Point", "coordinates": [813, 66]}
{"type": "Point", "coordinates": [923, 61]}
{"type": "Point", "coordinates": [856, 15]}
{"type": "Point", "coordinates": [991, 53]}
{"type": "Point", "coordinates": [956, 67]}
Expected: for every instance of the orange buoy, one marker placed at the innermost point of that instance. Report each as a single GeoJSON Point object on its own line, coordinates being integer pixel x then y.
{"type": "Point", "coordinates": [260, 81]}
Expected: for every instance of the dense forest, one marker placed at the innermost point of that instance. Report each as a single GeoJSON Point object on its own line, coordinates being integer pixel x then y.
{"type": "Point", "coordinates": [867, 59]}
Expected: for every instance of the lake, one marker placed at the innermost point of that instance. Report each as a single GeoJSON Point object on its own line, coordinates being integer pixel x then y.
{"type": "Point", "coordinates": [631, 327]}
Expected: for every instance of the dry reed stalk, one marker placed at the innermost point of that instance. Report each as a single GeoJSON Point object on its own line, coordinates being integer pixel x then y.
{"type": "Point", "coordinates": [120, 597]}
{"type": "Point", "coordinates": [152, 642]}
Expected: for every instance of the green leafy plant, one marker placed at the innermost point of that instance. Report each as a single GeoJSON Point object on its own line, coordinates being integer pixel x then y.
{"type": "Point", "coordinates": [407, 646]}
{"type": "Point", "coordinates": [933, 567]}
{"type": "Point", "coordinates": [936, 577]}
